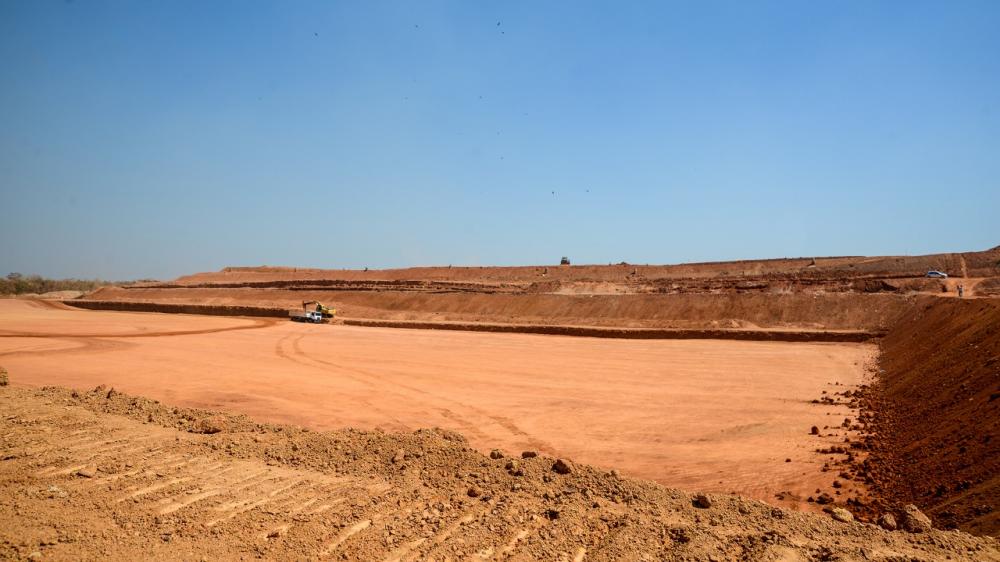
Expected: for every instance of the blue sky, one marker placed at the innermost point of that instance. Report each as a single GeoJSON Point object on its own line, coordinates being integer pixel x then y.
{"type": "Point", "coordinates": [153, 139]}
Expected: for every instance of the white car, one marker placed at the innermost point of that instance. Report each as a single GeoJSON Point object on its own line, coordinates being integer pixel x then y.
{"type": "Point", "coordinates": [937, 274]}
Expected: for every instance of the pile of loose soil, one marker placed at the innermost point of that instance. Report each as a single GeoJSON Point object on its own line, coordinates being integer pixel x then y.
{"type": "Point", "coordinates": [935, 411]}
{"type": "Point", "coordinates": [103, 474]}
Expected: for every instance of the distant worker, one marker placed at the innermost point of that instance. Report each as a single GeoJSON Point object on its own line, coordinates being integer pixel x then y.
{"type": "Point", "coordinates": [961, 291]}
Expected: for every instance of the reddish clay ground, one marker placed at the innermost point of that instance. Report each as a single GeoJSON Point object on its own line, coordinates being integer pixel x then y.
{"type": "Point", "coordinates": [695, 414]}
{"type": "Point", "coordinates": [104, 475]}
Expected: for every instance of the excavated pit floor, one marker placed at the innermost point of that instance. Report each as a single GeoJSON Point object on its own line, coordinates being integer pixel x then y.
{"type": "Point", "coordinates": [700, 415]}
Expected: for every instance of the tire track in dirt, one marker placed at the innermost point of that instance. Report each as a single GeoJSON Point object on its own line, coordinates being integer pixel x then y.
{"type": "Point", "coordinates": [176, 480]}
{"type": "Point", "coordinates": [83, 345]}
{"type": "Point", "coordinates": [459, 413]}
{"type": "Point", "coordinates": [45, 303]}
{"type": "Point", "coordinates": [285, 348]}
{"type": "Point", "coordinates": [256, 323]}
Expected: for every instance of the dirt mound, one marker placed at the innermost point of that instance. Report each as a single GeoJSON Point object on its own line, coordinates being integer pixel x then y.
{"type": "Point", "coordinates": [938, 413]}
{"type": "Point", "coordinates": [102, 474]}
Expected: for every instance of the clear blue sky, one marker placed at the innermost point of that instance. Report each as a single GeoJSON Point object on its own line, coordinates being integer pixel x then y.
{"type": "Point", "coordinates": [152, 139]}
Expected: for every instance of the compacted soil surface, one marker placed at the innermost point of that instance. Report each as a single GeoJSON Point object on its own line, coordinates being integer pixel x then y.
{"type": "Point", "coordinates": [102, 475]}
{"type": "Point", "coordinates": [705, 415]}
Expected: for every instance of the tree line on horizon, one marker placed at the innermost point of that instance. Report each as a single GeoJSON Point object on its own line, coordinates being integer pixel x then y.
{"type": "Point", "coordinates": [19, 284]}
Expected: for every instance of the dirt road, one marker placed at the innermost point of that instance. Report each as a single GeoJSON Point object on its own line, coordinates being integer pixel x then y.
{"type": "Point", "coordinates": [698, 415]}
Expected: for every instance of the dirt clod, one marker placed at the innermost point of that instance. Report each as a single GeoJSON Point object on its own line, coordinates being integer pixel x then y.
{"type": "Point", "coordinates": [562, 467]}
{"type": "Point", "coordinates": [209, 425]}
{"type": "Point", "coordinates": [887, 522]}
{"type": "Point", "coordinates": [914, 520]}
{"type": "Point", "coordinates": [529, 455]}
{"type": "Point", "coordinates": [842, 515]}
{"type": "Point", "coordinates": [701, 501]}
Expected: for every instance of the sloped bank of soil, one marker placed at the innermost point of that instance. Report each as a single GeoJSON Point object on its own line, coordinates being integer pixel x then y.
{"type": "Point", "coordinates": [937, 413]}
{"type": "Point", "coordinates": [854, 336]}
{"type": "Point", "coordinates": [843, 311]}
{"type": "Point", "coordinates": [100, 474]}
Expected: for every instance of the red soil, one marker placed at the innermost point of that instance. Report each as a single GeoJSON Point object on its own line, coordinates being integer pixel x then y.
{"type": "Point", "coordinates": [939, 438]}
{"type": "Point", "coordinates": [842, 311]}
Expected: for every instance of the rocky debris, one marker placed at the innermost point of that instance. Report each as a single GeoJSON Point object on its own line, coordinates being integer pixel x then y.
{"type": "Point", "coordinates": [275, 533]}
{"type": "Point", "coordinates": [450, 491]}
{"type": "Point", "coordinates": [88, 472]}
{"type": "Point", "coordinates": [399, 457]}
{"type": "Point", "coordinates": [496, 454]}
{"type": "Point", "coordinates": [680, 535]}
{"type": "Point", "coordinates": [842, 515]}
{"type": "Point", "coordinates": [209, 425]}
{"type": "Point", "coordinates": [514, 468]}
{"type": "Point", "coordinates": [887, 522]}
{"type": "Point", "coordinates": [562, 467]}
{"type": "Point", "coordinates": [701, 501]}
{"type": "Point", "coordinates": [824, 499]}
{"type": "Point", "coordinates": [913, 520]}
{"type": "Point", "coordinates": [529, 455]}
{"type": "Point", "coordinates": [931, 414]}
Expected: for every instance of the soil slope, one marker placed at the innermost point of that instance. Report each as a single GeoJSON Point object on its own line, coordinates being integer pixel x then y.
{"type": "Point", "coordinates": [688, 311]}
{"type": "Point", "coordinates": [939, 413]}
{"type": "Point", "coordinates": [104, 475]}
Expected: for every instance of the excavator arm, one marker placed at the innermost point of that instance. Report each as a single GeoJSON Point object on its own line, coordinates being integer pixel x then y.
{"type": "Point", "coordinates": [326, 311]}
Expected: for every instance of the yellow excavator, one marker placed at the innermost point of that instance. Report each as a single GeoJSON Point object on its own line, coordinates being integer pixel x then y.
{"type": "Point", "coordinates": [314, 315]}
{"type": "Point", "coordinates": [321, 308]}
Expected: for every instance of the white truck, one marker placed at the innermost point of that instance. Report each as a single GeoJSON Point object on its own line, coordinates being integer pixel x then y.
{"type": "Point", "coordinates": [313, 315]}
{"type": "Point", "coordinates": [310, 316]}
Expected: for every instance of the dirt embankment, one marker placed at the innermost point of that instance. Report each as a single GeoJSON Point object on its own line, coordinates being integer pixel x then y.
{"type": "Point", "coordinates": [846, 311]}
{"type": "Point", "coordinates": [938, 413]}
{"type": "Point", "coordinates": [105, 475]}
{"type": "Point", "coordinates": [989, 287]}
{"type": "Point", "coordinates": [632, 333]}
{"type": "Point", "coordinates": [176, 308]}
{"type": "Point", "coordinates": [971, 264]}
